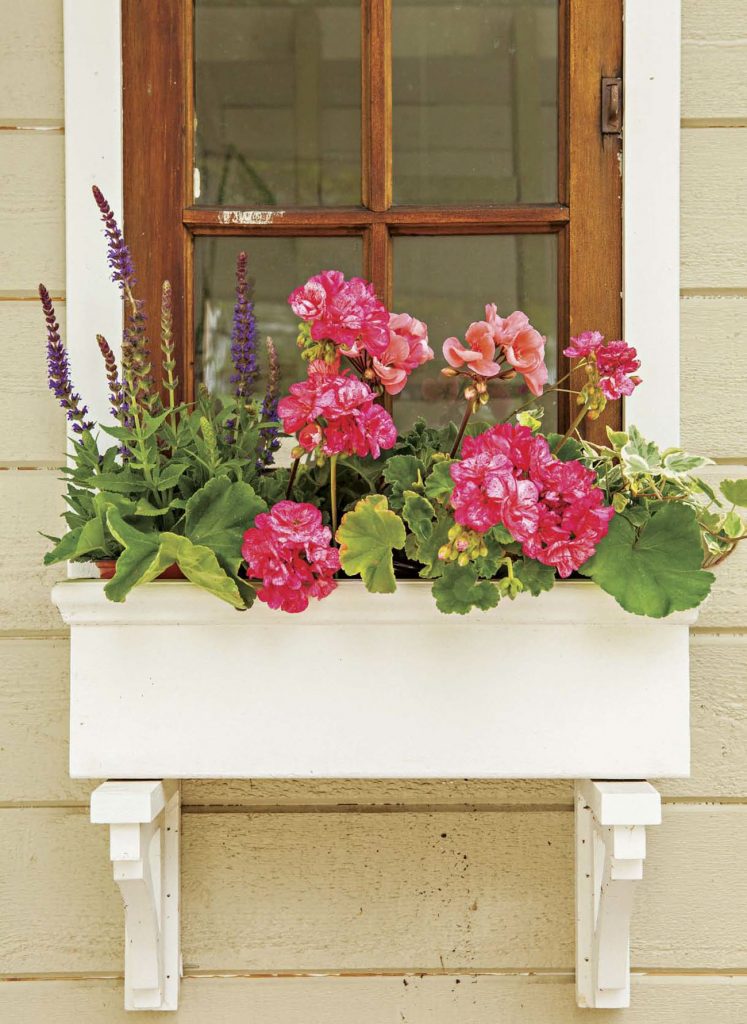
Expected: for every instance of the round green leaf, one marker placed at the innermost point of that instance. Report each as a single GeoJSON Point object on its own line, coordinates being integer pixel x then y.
{"type": "Point", "coordinates": [367, 536]}
{"type": "Point", "coordinates": [655, 569]}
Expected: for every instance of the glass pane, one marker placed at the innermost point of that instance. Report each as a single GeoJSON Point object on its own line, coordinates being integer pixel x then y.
{"type": "Point", "coordinates": [475, 101]}
{"type": "Point", "coordinates": [277, 102]}
{"type": "Point", "coordinates": [447, 282]}
{"type": "Point", "coordinates": [275, 267]}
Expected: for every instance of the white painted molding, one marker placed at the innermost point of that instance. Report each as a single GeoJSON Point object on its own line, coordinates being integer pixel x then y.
{"type": "Point", "coordinates": [611, 820]}
{"type": "Point", "coordinates": [144, 820]}
{"type": "Point", "coordinates": [651, 212]}
{"type": "Point", "coordinates": [93, 156]}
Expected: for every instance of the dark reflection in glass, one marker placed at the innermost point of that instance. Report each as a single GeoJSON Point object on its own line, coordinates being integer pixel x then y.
{"type": "Point", "coordinates": [277, 102]}
{"type": "Point", "coordinates": [275, 267]}
{"type": "Point", "coordinates": [447, 281]}
{"type": "Point", "coordinates": [475, 101]}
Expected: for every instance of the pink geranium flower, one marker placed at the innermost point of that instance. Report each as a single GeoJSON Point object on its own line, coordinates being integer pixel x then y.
{"type": "Point", "coordinates": [552, 508]}
{"type": "Point", "coordinates": [610, 366]}
{"type": "Point", "coordinates": [523, 347]}
{"type": "Point", "coordinates": [290, 550]}
{"type": "Point", "coordinates": [407, 349]}
{"type": "Point", "coordinates": [478, 356]}
{"type": "Point", "coordinates": [345, 312]}
{"type": "Point", "coordinates": [338, 414]}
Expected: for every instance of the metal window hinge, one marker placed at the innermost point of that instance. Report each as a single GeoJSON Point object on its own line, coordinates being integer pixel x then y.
{"type": "Point", "coordinates": [612, 106]}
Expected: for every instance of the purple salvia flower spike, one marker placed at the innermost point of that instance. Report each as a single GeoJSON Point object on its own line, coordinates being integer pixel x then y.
{"type": "Point", "coordinates": [58, 369]}
{"type": "Point", "coordinates": [136, 361]}
{"type": "Point", "coordinates": [269, 442]}
{"type": "Point", "coordinates": [243, 336]}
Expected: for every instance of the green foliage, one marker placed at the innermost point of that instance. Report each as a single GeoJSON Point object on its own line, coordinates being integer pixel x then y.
{"type": "Point", "coordinates": [367, 536]}
{"type": "Point", "coordinates": [419, 514]}
{"type": "Point", "coordinates": [402, 473]}
{"type": "Point", "coordinates": [735, 491]}
{"type": "Point", "coordinates": [458, 591]}
{"type": "Point", "coordinates": [439, 485]}
{"type": "Point", "coordinates": [218, 515]}
{"type": "Point", "coordinates": [146, 555]}
{"type": "Point", "coordinates": [655, 569]}
{"type": "Point", "coordinates": [534, 576]}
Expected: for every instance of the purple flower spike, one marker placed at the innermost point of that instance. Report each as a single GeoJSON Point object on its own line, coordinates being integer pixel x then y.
{"type": "Point", "coordinates": [243, 335]}
{"type": "Point", "coordinates": [118, 252]}
{"type": "Point", "coordinates": [136, 360]}
{"type": "Point", "coordinates": [268, 442]}
{"type": "Point", "coordinates": [58, 369]}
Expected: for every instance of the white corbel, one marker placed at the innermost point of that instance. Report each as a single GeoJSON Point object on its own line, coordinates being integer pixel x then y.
{"type": "Point", "coordinates": [143, 818]}
{"type": "Point", "coordinates": [611, 819]}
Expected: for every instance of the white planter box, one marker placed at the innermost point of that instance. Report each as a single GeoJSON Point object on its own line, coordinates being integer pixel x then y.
{"type": "Point", "coordinates": [174, 684]}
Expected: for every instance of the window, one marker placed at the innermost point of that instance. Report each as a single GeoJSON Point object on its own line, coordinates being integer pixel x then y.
{"type": "Point", "coordinates": [451, 152]}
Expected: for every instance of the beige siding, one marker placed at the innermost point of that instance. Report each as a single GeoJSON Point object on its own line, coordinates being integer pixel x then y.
{"type": "Point", "coordinates": [427, 902]}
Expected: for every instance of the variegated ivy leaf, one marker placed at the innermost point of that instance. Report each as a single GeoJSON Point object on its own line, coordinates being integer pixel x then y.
{"type": "Point", "coordinates": [677, 463]}
{"type": "Point", "coordinates": [617, 438]}
{"type": "Point", "coordinates": [639, 456]}
{"type": "Point", "coordinates": [735, 491]}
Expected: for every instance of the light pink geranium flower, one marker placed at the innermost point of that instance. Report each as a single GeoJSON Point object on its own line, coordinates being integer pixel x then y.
{"type": "Point", "coordinates": [407, 349]}
{"type": "Point", "coordinates": [478, 356]}
{"type": "Point", "coordinates": [523, 347]}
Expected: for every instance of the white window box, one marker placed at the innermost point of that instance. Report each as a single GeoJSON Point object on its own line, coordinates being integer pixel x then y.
{"type": "Point", "coordinates": [175, 684]}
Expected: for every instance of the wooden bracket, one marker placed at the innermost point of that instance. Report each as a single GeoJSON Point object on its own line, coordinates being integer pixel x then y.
{"type": "Point", "coordinates": [611, 819]}
{"type": "Point", "coordinates": [144, 847]}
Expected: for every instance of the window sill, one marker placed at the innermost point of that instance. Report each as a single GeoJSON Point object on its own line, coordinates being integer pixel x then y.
{"type": "Point", "coordinates": [173, 684]}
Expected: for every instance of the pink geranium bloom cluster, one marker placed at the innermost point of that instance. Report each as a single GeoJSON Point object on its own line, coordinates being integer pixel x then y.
{"type": "Point", "coordinates": [553, 509]}
{"type": "Point", "coordinates": [337, 412]}
{"type": "Point", "coordinates": [407, 350]}
{"type": "Point", "coordinates": [514, 340]}
{"type": "Point", "coordinates": [289, 549]}
{"type": "Point", "coordinates": [345, 312]}
{"type": "Point", "coordinates": [615, 363]}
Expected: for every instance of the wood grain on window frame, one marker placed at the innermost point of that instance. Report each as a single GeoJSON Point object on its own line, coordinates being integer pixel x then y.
{"type": "Point", "coordinates": [161, 220]}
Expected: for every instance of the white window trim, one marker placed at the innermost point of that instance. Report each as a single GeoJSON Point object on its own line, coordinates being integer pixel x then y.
{"type": "Point", "coordinates": [651, 176]}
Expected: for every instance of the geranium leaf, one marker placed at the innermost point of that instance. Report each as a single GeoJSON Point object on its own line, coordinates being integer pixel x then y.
{"type": "Point", "coordinates": [402, 473]}
{"type": "Point", "coordinates": [367, 536]}
{"type": "Point", "coordinates": [439, 485]}
{"type": "Point", "coordinates": [219, 514]}
{"type": "Point", "coordinates": [459, 591]}
{"type": "Point", "coordinates": [534, 576]}
{"type": "Point", "coordinates": [418, 513]}
{"type": "Point", "coordinates": [735, 491]}
{"type": "Point", "coordinates": [654, 570]}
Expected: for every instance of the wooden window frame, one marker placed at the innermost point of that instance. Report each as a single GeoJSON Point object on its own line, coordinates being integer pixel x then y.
{"type": "Point", "coordinates": [95, 28]}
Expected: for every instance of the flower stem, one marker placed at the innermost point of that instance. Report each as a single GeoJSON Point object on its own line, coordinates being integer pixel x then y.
{"type": "Point", "coordinates": [333, 491]}
{"type": "Point", "coordinates": [574, 425]}
{"type": "Point", "coordinates": [292, 477]}
{"type": "Point", "coordinates": [465, 420]}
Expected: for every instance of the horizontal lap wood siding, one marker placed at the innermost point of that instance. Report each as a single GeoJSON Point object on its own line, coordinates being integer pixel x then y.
{"type": "Point", "coordinates": [365, 878]}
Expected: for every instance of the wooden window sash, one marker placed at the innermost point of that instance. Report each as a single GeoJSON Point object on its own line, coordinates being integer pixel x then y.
{"type": "Point", "coordinates": [162, 221]}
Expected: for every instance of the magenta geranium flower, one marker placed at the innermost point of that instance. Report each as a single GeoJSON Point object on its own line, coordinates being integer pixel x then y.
{"type": "Point", "coordinates": [338, 414]}
{"type": "Point", "coordinates": [290, 550]}
{"type": "Point", "coordinates": [552, 508]}
{"type": "Point", "coordinates": [611, 366]}
{"type": "Point", "coordinates": [345, 312]}
{"type": "Point", "coordinates": [407, 349]}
